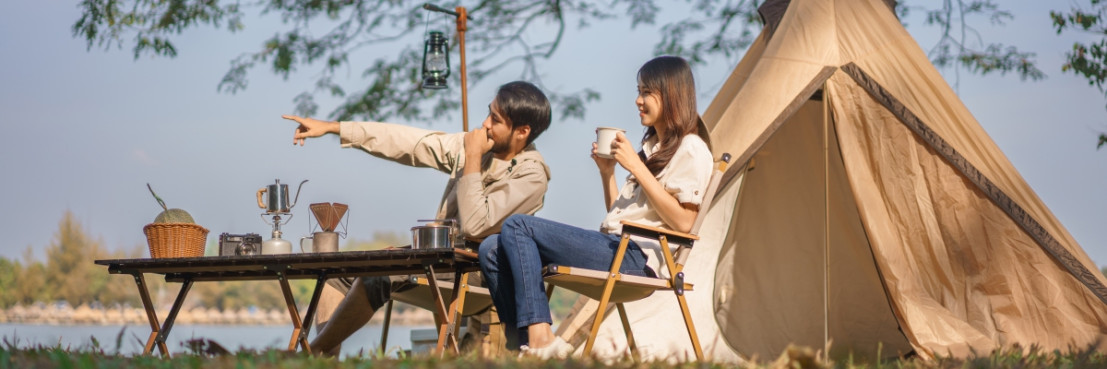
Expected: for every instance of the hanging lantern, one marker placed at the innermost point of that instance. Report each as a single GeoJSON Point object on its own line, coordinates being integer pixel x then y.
{"type": "Point", "coordinates": [436, 61]}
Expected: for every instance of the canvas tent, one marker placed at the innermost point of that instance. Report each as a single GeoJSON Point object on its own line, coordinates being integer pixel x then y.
{"type": "Point", "coordinates": [865, 207]}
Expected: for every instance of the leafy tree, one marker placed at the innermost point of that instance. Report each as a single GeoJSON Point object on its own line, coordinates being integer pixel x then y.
{"type": "Point", "coordinates": [379, 240]}
{"type": "Point", "coordinates": [955, 47]}
{"type": "Point", "coordinates": [118, 289]}
{"type": "Point", "coordinates": [9, 273]}
{"type": "Point", "coordinates": [32, 281]}
{"type": "Point", "coordinates": [208, 294]}
{"type": "Point", "coordinates": [506, 36]}
{"type": "Point", "coordinates": [1086, 60]}
{"type": "Point", "coordinates": [69, 268]}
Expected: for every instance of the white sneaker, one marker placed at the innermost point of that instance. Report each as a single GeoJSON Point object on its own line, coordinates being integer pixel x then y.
{"type": "Point", "coordinates": [557, 349]}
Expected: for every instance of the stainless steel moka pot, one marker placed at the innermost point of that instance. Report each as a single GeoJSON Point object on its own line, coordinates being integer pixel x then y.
{"type": "Point", "coordinates": [278, 197]}
{"type": "Point", "coordinates": [276, 206]}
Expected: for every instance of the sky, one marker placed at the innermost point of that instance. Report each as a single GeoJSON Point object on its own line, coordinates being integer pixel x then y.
{"type": "Point", "coordinates": [86, 130]}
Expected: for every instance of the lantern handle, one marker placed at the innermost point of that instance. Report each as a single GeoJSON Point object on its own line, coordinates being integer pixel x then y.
{"type": "Point", "coordinates": [435, 8]}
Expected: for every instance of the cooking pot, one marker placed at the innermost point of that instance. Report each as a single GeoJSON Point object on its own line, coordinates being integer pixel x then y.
{"type": "Point", "coordinates": [436, 234]}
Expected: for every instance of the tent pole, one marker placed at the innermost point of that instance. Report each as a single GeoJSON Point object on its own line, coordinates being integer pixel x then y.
{"type": "Point", "coordinates": [826, 220]}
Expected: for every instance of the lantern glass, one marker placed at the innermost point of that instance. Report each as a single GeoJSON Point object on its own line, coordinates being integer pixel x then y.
{"type": "Point", "coordinates": [436, 61]}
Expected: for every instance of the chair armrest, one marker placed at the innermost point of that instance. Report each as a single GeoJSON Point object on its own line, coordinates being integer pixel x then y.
{"type": "Point", "coordinates": [646, 231]}
{"type": "Point", "coordinates": [466, 253]}
{"type": "Point", "coordinates": [472, 243]}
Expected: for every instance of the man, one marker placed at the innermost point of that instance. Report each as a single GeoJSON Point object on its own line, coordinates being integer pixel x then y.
{"type": "Point", "coordinates": [495, 171]}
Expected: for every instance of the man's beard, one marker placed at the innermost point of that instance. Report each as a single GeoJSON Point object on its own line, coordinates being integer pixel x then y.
{"type": "Point", "coordinates": [499, 147]}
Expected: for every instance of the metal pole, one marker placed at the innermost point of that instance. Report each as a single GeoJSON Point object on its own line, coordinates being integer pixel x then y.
{"type": "Point", "coordinates": [826, 219]}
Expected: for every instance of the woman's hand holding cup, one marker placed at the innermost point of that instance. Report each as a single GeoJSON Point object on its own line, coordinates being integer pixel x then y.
{"type": "Point", "coordinates": [602, 148]}
{"type": "Point", "coordinates": [606, 165]}
{"type": "Point", "coordinates": [623, 152]}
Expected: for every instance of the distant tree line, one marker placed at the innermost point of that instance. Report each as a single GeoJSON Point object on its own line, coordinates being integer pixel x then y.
{"type": "Point", "coordinates": [68, 273]}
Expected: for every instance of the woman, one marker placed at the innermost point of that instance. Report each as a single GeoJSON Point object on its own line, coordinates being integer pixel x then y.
{"type": "Point", "coordinates": [666, 184]}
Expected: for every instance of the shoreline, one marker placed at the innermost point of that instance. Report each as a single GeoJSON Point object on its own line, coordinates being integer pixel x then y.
{"type": "Point", "coordinates": [63, 314]}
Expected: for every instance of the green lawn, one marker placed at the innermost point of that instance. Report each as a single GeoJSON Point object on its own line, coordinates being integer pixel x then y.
{"type": "Point", "coordinates": [95, 357]}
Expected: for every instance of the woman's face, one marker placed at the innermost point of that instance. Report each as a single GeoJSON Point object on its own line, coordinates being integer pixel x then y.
{"type": "Point", "coordinates": [649, 106]}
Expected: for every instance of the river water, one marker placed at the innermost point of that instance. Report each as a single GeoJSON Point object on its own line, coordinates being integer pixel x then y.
{"type": "Point", "coordinates": [258, 337]}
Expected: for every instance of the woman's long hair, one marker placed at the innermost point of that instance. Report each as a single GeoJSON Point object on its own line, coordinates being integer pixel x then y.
{"type": "Point", "coordinates": [671, 77]}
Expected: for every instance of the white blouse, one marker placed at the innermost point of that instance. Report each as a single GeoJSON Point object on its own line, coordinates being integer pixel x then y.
{"type": "Point", "coordinates": [685, 177]}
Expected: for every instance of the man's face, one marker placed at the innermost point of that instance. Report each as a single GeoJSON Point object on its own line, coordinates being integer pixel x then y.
{"type": "Point", "coordinates": [499, 129]}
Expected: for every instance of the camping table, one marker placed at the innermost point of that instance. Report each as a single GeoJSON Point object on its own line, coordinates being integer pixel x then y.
{"type": "Point", "coordinates": [318, 266]}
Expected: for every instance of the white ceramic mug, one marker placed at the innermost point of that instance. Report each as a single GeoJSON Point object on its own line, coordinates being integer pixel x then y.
{"type": "Point", "coordinates": [605, 136]}
{"type": "Point", "coordinates": [320, 242]}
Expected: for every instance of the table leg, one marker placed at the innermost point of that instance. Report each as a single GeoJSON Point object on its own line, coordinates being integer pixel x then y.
{"type": "Point", "coordinates": [297, 327]}
{"type": "Point", "coordinates": [309, 316]}
{"type": "Point", "coordinates": [442, 315]}
{"type": "Point", "coordinates": [461, 287]}
{"type": "Point", "coordinates": [172, 317]}
{"type": "Point", "coordinates": [151, 315]}
{"type": "Point", "coordinates": [387, 323]}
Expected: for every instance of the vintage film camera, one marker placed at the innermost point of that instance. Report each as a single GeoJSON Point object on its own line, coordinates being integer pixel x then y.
{"type": "Point", "coordinates": [239, 244]}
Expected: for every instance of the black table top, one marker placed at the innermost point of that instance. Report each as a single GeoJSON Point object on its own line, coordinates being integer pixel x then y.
{"type": "Point", "coordinates": [298, 265]}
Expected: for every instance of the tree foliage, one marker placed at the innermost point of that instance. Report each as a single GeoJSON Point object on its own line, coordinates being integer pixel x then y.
{"type": "Point", "coordinates": [960, 43]}
{"type": "Point", "coordinates": [68, 267]}
{"type": "Point", "coordinates": [69, 273]}
{"type": "Point", "coordinates": [513, 36]}
{"type": "Point", "coordinates": [9, 277]}
{"type": "Point", "coordinates": [32, 281]}
{"type": "Point", "coordinates": [1087, 60]}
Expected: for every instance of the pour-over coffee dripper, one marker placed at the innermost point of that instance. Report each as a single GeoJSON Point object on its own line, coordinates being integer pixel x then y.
{"type": "Point", "coordinates": [328, 215]}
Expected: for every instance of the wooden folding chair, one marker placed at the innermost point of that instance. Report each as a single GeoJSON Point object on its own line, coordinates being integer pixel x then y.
{"type": "Point", "coordinates": [471, 299]}
{"type": "Point", "coordinates": [614, 287]}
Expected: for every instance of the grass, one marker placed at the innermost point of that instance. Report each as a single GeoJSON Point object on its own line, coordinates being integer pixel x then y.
{"type": "Point", "coordinates": [94, 356]}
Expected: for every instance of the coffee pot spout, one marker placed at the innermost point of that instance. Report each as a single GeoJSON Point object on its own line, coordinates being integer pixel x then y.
{"type": "Point", "coordinates": [297, 195]}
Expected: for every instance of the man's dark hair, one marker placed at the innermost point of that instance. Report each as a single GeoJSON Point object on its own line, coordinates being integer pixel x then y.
{"type": "Point", "coordinates": [523, 104]}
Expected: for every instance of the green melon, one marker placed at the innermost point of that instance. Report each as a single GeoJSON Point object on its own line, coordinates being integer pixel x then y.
{"type": "Point", "coordinates": [174, 216]}
{"type": "Point", "coordinates": [169, 215]}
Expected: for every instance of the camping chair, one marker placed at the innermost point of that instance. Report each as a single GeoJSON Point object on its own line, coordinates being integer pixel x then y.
{"type": "Point", "coordinates": [471, 299]}
{"type": "Point", "coordinates": [614, 287]}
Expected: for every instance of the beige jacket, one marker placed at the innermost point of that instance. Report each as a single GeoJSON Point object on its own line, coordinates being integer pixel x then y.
{"type": "Point", "coordinates": [481, 202]}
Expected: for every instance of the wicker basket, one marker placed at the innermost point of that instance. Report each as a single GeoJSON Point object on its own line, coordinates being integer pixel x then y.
{"type": "Point", "coordinates": [175, 240]}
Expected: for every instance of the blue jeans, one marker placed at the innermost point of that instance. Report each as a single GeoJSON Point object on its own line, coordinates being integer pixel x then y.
{"type": "Point", "coordinates": [512, 262]}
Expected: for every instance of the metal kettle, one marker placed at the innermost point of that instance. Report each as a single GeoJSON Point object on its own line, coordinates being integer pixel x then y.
{"type": "Point", "coordinates": [277, 199]}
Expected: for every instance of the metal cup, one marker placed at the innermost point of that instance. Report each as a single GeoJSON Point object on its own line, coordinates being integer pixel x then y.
{"type": "Point", "coordinates": [320, 242]}
{"type": "Point", "coordinates": [430, 237]}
